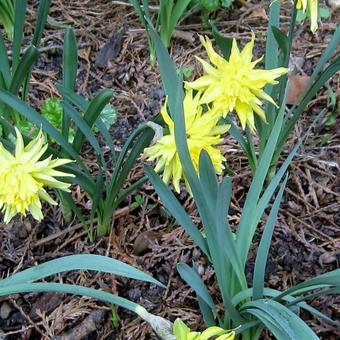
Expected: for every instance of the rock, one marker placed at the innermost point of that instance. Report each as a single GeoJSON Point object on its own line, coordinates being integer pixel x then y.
{"type": "Point", "coordinates": [5, 310]}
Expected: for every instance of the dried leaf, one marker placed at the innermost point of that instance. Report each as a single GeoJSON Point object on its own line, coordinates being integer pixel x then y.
{"type": "Point", "coordinates": [296, 86]}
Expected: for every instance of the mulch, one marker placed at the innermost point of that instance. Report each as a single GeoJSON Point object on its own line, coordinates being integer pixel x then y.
{"type": "Point", "coordinates": [306, 241]}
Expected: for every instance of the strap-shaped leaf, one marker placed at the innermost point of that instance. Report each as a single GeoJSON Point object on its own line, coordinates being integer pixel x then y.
{"type": "Point", "coordinates": [78, 262]}
{"type": "Point", "coordinates": [247, 224]}
{"type": "Point", "coordinates": [70, 65]}
{"type": "Point", "coordinates": [83, 127]}
{"type": "Point", "coordinates": [224, 43]}
{"type": "Point", "coordinates": [91, 115]}
{"type": "Point", "coordinates": [69, 289]}
{"type": "Point", "coordinates": [70, 60]}
{"type": "Point", "coordinates": [331, 278]}
{"type": "Point", "coordinates": [19, 23]}
{"type": "Point", "coordinates": [176, 14]}
{"type": "Point", "coordinates": [263, 249]}
{"type": "Point", "coordinates": [175, 208]}
{"type": "Point", "coordinates": [288, 301]}
{"type": "Point", "coordinates": [37, 119]}
{"type": "Point", "coordinates": [327, 53]}
{"type": "Point", "coordinates": [271, 61]}
{"type": "Point", "coordinates": [170, 80]}
{"type": "Point", "coordinates": [208, 179]}
{"type": "Point", "coordinates": [225, 241]}
{"type": "Point", "coordinates": [281, 321]}
{"type": "Point", "coordinates": [175, 100]}
{"type": "Point", "coordinates": [244, 144]}
{"type": "Point", "coordinates": [131, 150]}
{"type": "Point", "coordinates": [44, 6]}
{"type": "Point", "coordinates": [23, 69]}
{"type": "Point", "coordinates": [4, 65]}
{"type": "Point", "coordinates": [282, 40]}
{"type": "Point", "coordinates": [191, 277]}
{"type": "Point", "coordinates": [207, 314]}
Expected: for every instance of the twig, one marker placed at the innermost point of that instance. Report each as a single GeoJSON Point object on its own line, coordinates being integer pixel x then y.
{"type": "Point", "coordinates": [118, 213]}
{"type": "Point", "coordinates": [49, 48]}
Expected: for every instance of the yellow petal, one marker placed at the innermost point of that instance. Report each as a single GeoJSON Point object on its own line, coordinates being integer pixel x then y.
{"type": "Point", "coordinates": [243, 110]}
{"type": "Point", "coordinates": [247, 52]}
{"type": "Point", "coordinates": [200, 83]}
{"type": "Point", "coordinates": [235, 53]}
{"type": "Point", "coordinates": [214, 57]}
{"type": "Point", "coordinates": [313, 10]}
{"type": "Point", "coordinates": [19, 146]}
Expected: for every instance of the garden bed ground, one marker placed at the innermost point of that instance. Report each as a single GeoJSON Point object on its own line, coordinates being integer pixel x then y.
{"type": "Point", "coordinates": [307, 238]}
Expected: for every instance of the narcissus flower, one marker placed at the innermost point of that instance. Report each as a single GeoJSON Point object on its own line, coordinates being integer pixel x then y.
{"type": "Point", "coordinates": [203, 133]}
{"type": "Point", "coordinates": [235, 84]}
{"type": "Point", "coordinates": [23, 177]}
{"type": "Point", "coordinates": [312, 8]}
{"type": "Point", "coordinates": [183, 332]}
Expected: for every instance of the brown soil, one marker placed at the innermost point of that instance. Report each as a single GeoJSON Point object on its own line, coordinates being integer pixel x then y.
{"type": "Point", "coordinates": [307, 237]}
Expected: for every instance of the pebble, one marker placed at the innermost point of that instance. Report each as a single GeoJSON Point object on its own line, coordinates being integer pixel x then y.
{"type": "Point", "coordinates": [5, 310]}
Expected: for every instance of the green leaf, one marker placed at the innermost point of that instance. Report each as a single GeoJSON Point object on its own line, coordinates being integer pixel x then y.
{"type": "Point", "coordinates": [282, 40]}
{"type": "Point", "coordinates": [69, 289]}
{"type": "Point", "coordinates": [225, 242]}
{"type": "Point", "coordinates": [23, 69]}
{"type": "Point", "coordinates": [244, 144]}
{"type": "Point", "coordinates": [70, 59]}
{"type": "Point", "coordinates": [167, 69]}
{"type": "Point", "coordinates": [78, 262]}
{"type": "Point", "coordinates": [175, 208]}
{"type": "Point", "coordinates": [327, 53]}
{"type": "Point", "coordinates": [224, 43]}
{"type": "Point", "coordinates": [176, 14]}
{"type": "Point", "coordinates": [83, 127]}
{"type": "Point", "coordinates": [226, 3]}
{"type": "Point", "coordinates": [44, 6]}
{"type": "Point", "coordinates": [288, 300]}
{"type": "Point", "coordinates": [191, 277]}
{"type": "Point", "coordinates": [247, 224]}
{"type": "Point", "coordinates": [324, 12]}
{"type": "Point", "coordinates": [328, 279]}
{"type": "Point", "coordinates": [281, 321]}
{"type": "Point", "coordinates": [33, 116]}
{"type": "Point", "coordinates": [91, 115]}
{"type": "Point", "coordinates": [7, 17]}
{"type": "Point", "coordinates": [207, 314]}
{"type": "Point", "coordinates": [4, 65]}
{"type": "Point", "coordinates": [263, 249]}
{"type": "Point", "coordinates": [19, 22]}
{"type": "Point", "coordinates": [271, 61]}
{"type": "Point", "coordinates": [66, 198]}
{"type": "Point", "coordinates": [70, 65]}
{"type": "Point", "coordinates": [208, 179]}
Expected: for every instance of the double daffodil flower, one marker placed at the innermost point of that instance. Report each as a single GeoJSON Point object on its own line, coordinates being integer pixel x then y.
{"type": "Point", "coordinates": [235, 84]}
{"type": "Point", "coordinates": [203, 133]}
{"type": "Point", "coordinates": [24, 175]}
{"type": "Point", "coordinates": [183, 332]}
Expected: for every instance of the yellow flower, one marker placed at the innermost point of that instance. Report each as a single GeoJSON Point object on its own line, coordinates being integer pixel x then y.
{"type": "Point", "coordinates": [312, 7]}
{"type": "Point", "coordinates": [203, 133]}
{"type": "Point", "coordinates": [24, 176]}
{"type": "Point", "coordinates": [183, 332]}
{"type": "Point", "coordinates": [235, 84]}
